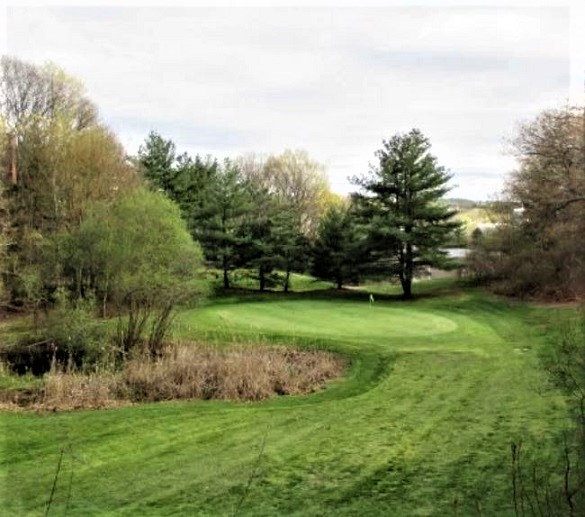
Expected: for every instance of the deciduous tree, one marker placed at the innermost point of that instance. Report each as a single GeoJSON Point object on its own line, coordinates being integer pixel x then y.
{"type": "Point", "coordinates": [538, 248]}
{"type": "Point", "coordinates": [58, 160]}
{"type": "Point", "coordinates": [136, 254]}
{"type": "Point", "coordinates": [301, 182]}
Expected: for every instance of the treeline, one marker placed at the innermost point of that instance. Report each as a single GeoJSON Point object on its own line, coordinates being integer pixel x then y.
{"type": "Point", "coordinates": [81, 217]}
{"type": "Point", "coordinates": [252, 212]}
{"type": "Point", "coordinates": [79, 229]}
{"type": "Point", "coordinates": [537, 247]}
{"type": "Point", "coordinates": [277, 214]}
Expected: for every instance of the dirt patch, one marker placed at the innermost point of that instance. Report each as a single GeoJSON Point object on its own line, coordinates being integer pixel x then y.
{"type": "Point", "coordinates": [183, 372]}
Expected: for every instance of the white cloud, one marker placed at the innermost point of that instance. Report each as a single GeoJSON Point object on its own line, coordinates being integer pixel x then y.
{"type": "Point", "coordinates": [335, 81]}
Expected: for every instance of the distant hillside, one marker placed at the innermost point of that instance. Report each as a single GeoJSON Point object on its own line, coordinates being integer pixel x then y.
{"type": "Point", "coordinates": [470, 213]}
{"type": "Point", "coordinates": [464, 204]}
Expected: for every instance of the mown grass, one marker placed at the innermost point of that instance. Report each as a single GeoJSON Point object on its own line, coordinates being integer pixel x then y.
{"type": "Point", "coordinates": [248, 279]}
{"type": "Point", "coordinates": [421, 424]}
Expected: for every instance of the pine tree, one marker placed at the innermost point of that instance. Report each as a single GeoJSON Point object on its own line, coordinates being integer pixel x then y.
{"type": "Point", "coordinates": [399, 204]}
{"type": "Point", "coordinates": [334, 252]}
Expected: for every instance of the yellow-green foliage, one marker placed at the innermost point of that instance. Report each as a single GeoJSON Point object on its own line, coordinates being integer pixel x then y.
{"type": "Point", "coordinates": [472, 218]}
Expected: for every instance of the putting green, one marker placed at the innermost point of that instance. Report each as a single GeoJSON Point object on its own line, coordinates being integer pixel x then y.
{"type": "Point", "coordinates": [347, 320]}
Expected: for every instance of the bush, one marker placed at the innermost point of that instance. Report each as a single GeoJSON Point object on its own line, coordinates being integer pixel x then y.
{"type": "Point", "coordinates": [137, 256]}
{"type": "Point", "coordinates": [69, 334]}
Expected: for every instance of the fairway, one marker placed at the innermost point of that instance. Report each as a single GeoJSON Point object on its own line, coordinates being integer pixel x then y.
{"type": "Point", "coordinates": [421, 423]}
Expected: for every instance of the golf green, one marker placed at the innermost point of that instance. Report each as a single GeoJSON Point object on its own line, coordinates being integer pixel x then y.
{"type": "Point", "coordinates": [326, 319]}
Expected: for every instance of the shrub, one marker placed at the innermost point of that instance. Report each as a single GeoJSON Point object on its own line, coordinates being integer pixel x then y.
{"type": "Point", "coordinates": [138, 256]}
{"type": "Point", "coordinates": [68, 334]}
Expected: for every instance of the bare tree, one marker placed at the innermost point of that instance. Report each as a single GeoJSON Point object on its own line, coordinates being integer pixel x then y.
{"type": "Point", "coordinates": [540, 250]}
{"type": "Point", "coordinates": [29, 93]}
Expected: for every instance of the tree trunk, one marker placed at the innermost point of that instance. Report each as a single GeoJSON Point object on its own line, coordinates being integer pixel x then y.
{"type": "Point", "coordinates": [226, 280]}
{"type": "Point", "coordinates": [287, 280]}
{"type": "Point", "coordinates": [406, 287]}
{"type": "Point", "coordinates": [12, 172]}
{"type": "Point", "coordinates": [262, 278]}
{"type": "Point", "coordinates": [407, 276]}
{"type": "Point", "coordinates": [339, 282]}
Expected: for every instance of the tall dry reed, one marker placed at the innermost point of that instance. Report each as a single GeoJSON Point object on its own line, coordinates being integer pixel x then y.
{"type": "Point", "coordinates": [193, 371]}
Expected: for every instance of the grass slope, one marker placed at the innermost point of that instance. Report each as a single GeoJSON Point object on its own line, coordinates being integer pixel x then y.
{"type": "Point", "coordinates": [422, 423]}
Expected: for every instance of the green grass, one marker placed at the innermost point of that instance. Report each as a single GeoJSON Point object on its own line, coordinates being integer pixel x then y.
{"type": "Point", "coordinates": [248, 279]}
{"type": "Point", "coordinates": [436, 391]}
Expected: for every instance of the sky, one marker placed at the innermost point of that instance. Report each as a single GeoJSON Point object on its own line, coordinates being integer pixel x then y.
{"type": "Point", "coordinates": [335, 81]}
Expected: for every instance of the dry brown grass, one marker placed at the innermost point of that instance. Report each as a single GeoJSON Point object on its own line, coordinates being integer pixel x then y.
{"type": "Point", "coordinates": [240, 373]}
{"type": "Point", "coordinates": [191, 371]}
{"type": "Point", "coordinates": [72, 390]}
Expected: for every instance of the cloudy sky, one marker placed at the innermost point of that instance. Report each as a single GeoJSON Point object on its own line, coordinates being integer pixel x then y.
{"type": "Point", "coordinates": [334, 81]}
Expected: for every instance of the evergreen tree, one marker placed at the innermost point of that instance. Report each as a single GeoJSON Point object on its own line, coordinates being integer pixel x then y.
{"type": "Point", "coordinates": [289, 245]}
{"type": "Point", "coordinates": [217, 222]}
{"type": "Point", "coordinates": [334, 251]}
{"type": "Point", "coordinates": [399, 204]}
{"type": "Point", "coordinates": [157, 156]}
{"type": "Point", "coordinates": [272, 239]}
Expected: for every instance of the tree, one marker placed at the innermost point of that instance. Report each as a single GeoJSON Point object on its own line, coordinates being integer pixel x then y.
{"type": "Point", "coordinates": [549, 185]}
{"type": "Point", "coordinates": [59, 159]}
{"type": "Point", "coordinates": [57, 155]}
{"type": "Point", "coordinates": [136, 254]}
{"type": "Point", "coordinates": [298, 180]}
{"type": "Point", "coordinates": [137, 244]}
{"type": "Point", "coordinates": [289, 246]}
{"type": "Point", "coordinates": [406, 225]}
{"type": "Point", "coordinates": [219, 220]}
{"type": "Point", "coordinates": [538, 249]}
{"type": "Point", "coordinates": [157, 157]}
{"type": "Point", "coordinates": [213, 198]}
{"type": "Point", "coordinates": [551, 155]}
{"type": "Point", "coordinates": [31, 95]}
{"type": "Point", "coordinates": [270, 239]}
{"type": "Point", "coordinates": [4, 221]}
{"type": "Point", "coordinates": [334, 253]}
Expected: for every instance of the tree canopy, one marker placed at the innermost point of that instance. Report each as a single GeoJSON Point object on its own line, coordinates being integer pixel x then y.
{"type": "Point", "coordinates": [336, 248]}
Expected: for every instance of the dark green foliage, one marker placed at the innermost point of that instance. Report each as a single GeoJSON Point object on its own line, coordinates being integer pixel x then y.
{"type": "Point", "coordinates": [399, 206]}
{"type": "Point", "coordinates": [218, 221]}
{"type": "Point", "coordinates": [336, 248]}
{"type": "Point", "coordinates": [213, 198]}
{"type": "Point", "coordinates": [259, 219]}
{"type": "Point", "coordinates": [272, 239]}
{"type": "Point", "coordinates": [157, 157]}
